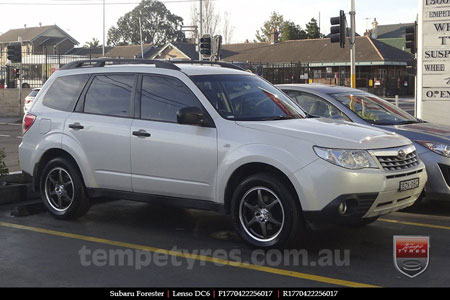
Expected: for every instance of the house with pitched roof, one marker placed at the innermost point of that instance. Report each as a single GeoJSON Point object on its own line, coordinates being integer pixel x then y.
{"type": "Point", "coordinates": [49, 39]}
{"type": "Point", "coordinates": [391, 34]}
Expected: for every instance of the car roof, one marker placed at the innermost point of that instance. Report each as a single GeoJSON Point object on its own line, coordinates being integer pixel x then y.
{"type": "Point", "coordinates": [186, 68]}
{"type": "Point", "coordinates": [321, 88]}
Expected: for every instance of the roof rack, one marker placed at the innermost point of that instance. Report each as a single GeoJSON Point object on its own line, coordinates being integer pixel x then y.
{"type": "Point", "coordinates": [95, 63]}
{"type": "Point", "coordinates": [164, 64]}
{"type": "Point", "coordinates": [204, 62]}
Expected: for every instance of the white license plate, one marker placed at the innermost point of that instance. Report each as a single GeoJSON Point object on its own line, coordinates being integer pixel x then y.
{"type": "Point", "coordinates": [409, 184]}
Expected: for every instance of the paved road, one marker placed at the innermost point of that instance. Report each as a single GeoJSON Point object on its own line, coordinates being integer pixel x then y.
{"type": "Point", "coordinates": [10, 138]}
{"type": "Point", "coordinates": [38, 250]}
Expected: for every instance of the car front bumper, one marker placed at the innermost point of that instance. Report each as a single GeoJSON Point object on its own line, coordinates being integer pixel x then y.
{"type": "Point", "coordinates": [368, 193]}
{"type": "Point", "coordinates": [438, 185]}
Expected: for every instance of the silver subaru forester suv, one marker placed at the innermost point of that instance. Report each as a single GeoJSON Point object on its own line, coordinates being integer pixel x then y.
{"type": "Point", "coordinates": [208, 136]}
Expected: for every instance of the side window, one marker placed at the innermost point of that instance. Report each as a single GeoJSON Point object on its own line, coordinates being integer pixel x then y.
{"type": "Point", "coordinates": [110, 95]}
{"type": "Point", "coordinates": [162, 97]}
{"type": "Point", "coordinates": [64, 92]}
{"type": "Point", "coordinates": [315, 105]}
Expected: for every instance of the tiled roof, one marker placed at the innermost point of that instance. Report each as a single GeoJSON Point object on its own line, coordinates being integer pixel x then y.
{"type": "Point", "coordinates": [131, 51]}
{"type": "Point", "coordinates": [312, 51]}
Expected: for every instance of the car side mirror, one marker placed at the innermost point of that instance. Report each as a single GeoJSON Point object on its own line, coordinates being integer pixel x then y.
{"type": "Point", "coordinates": [193, 115]}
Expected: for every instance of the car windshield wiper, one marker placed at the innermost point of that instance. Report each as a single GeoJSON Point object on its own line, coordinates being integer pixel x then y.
{"type": "Point", "coordinates": [274, 118]}
{"type": "Point", "coordinates": [409, 122]}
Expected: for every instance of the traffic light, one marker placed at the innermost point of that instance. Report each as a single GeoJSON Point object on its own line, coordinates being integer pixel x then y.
{"type": "Point", "coordinates": [339, 29]}
{"type": "Point", "coordinates": [205, 45]}
{"type": "Point", "coordinates": [411, 38]}
{"type": "Point", "coordinates": [14, 51]}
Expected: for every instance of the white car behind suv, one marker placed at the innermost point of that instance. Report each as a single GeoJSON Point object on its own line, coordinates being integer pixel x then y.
{"type": "Point", "coordinates": [208, 137]}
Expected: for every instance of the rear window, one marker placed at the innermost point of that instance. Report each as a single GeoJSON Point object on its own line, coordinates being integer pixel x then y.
{"type": "Point", "coordinates": [64, 92]}
{"type": "Point", "coordinates": [33, 93]}
{"type": "Point", "coordinates": [110, 95]}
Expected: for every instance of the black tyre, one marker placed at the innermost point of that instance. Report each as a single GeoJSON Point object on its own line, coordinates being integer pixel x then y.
{"type": "Point", "coordinates": [265, 213]}
{"type": "Point", "coordinates": [62, 189]}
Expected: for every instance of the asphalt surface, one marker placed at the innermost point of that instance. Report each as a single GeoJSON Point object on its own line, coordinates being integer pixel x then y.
{"type": "Point", "coordinates": [40, 251]}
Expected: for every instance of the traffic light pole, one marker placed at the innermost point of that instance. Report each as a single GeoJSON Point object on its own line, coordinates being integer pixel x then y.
{"type": "Point", "coordinates": [353, 45]}
{"type": "Point", "coordinates": [200, 56]}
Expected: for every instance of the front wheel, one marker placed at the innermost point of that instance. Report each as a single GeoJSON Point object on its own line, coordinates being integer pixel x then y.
{"type": "Point", "coordinates": [265, 213]}
{"type": "Point", "coordinates": [62, 189]}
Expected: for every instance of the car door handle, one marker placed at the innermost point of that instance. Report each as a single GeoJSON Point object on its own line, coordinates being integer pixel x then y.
{"type": "Point", "coordinates": [76, 126]}
{"type": "Point", "coordinates": [141, 133]}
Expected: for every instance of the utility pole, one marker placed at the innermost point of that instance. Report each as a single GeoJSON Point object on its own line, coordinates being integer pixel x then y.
{"type": "Point", "coordinates": [103, 47]}
{"type": "Point", "coordinates": [200, 57]}
{"type": "Point", "coordinates": [353, 45]}
{"type": "Point", "coordinates": [140, 33]}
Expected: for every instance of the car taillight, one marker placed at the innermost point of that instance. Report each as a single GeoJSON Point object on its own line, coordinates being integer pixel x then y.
{"type": "Point", "coordinates": [28, 121]}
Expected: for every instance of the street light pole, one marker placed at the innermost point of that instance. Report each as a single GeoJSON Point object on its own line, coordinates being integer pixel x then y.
{"type": "Point", "coordinates": [140, 33]}
{"type": "Point", "coordinates": [353, 45]}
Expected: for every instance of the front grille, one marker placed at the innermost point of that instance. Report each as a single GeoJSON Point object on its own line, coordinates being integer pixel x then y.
{"type": "Point", "coordinates": [397, 163]}
{"type": "Point", "coordinates": [446, 172]}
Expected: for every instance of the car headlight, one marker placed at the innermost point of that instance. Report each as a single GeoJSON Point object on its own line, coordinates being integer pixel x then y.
{"type": "Point", "coordinates": [439, 148]}
{"type": "Point", "coordinates": [349, 159]}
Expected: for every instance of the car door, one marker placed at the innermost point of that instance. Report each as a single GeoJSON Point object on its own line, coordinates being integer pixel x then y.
{"type": "Point", "coordinates": [167, 158]}
{"type": "Point", "coordinates": [101, 126]}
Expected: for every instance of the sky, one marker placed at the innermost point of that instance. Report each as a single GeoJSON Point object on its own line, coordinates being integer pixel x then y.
{"type": "Point", "coordinates": [83, 19]}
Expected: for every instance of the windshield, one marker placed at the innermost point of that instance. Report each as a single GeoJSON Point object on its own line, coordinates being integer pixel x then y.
{"type": "Point", "coordinates": [246, 98]}
{"type": "Point", "coordinates": [375, 110]}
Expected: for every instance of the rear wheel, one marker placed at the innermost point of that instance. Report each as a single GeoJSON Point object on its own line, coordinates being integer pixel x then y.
{"type": "Point", "coordinates": [265, 213]}
{"type": "Point", "coordinates": [62, 189]}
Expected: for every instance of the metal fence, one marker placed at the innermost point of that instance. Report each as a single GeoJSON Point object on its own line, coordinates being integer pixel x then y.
{"type": "Point", "coordinates": [36, 68]}
{"type": "Point", "coordinates": [387, 85]}
{"type": "Point", "coordinates": [279, 73]}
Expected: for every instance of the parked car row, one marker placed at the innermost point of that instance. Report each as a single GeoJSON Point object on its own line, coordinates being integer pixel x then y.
{"type": "Point", "coordinates": [218, 138]}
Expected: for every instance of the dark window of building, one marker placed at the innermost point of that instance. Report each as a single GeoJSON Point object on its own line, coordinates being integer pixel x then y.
{"type": "Point", "coordinates": [64, 92]}
{"type": "Point", "coordinates": [162, 97]}
{"type": "Point", "coordinates": [110, 95]}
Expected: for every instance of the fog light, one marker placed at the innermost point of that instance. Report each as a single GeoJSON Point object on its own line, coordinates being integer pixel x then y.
{"type": "Point", "coordinates": [342, 209]}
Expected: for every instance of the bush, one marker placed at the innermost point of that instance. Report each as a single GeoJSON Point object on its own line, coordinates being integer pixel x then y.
{"type": "Point", "coordinates": [3, 169]}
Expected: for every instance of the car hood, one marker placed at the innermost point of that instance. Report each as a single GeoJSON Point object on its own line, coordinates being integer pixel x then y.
{"type": "Point", "coordinates": [428, 132]}
{"type": "Point", "coordinates": [332, 134]}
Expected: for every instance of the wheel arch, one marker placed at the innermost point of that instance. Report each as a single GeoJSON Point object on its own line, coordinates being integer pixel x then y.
{"type": "Point", "coordinates": [252, 168]}
{"type": "Point", "coordinates": [48, 156]}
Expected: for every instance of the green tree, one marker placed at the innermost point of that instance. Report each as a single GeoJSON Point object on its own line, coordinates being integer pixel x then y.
{"type": "Point", "coordinates": [275, 21]}
{"type": "Point", "coordinates": [94, 43]}
{"type": "Point", "coordinates": [159, 25]}
{"type": "Point", "coordinates": [291, 31]}
{"type": "Point", "coordinates": [313, 30]}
